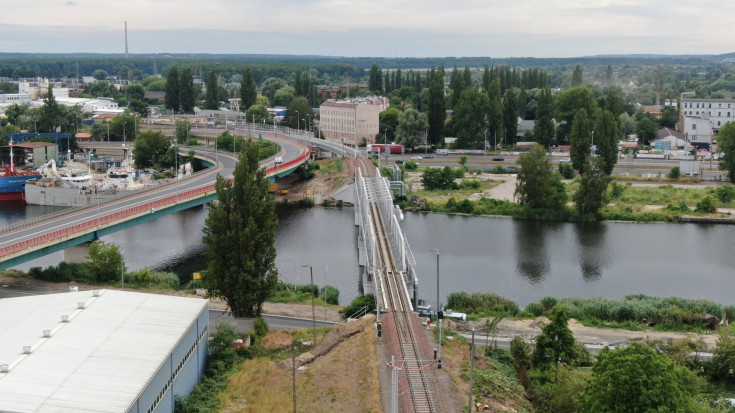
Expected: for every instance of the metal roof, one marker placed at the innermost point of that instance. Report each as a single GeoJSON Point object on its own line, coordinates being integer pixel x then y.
{"type": "Point", "coordinates": [98, 361]}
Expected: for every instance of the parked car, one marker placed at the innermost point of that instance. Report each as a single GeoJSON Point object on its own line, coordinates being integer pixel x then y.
{"type": "Point", "coordinates": [565, 160]}
{"type": "Point", "coordinates": [429, 157]}
{"type": "Point", "coordinates": [498, 159]}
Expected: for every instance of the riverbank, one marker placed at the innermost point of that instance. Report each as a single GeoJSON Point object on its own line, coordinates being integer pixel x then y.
{"type": "Point", "coordinates": [627, 204]}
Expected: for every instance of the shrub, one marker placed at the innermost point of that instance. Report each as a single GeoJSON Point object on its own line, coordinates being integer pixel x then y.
{"type": "Point", "coordinates": [260, 327]}
{"type": "Point", "coordinates": [707, 204]}
{"type": "Point", "coordinates": [167, 279]}
{"type": "Point", "coordinates": [726, 193]}
{"type": "Point", "coordinates": [438, 179]}
{"type": "Point", "coordinates": [143, 276]}
{"type": "Point", "coordinates": [616, 190]}
{"type": "Point", "coordinates": [411, 165]}
{"type": "Point", "coordinates": [466, 206]}
{"type": "Point", "coordinates": [331, 295]}
{"type": "Point", "coordinates": [499, 169]}
{"type": "Point", "coordinates": [481, 302]}
{"type": "Point", "coordinates": [306, 203]}
{"type": "Point", "coordinates": [675, 173]}
{"type": "Point", "coordinates": [192, 142]}
{"type": "Point", "coordinates": [566, 170]}
{"type": "Point", "coordinates": [470, 184]}
{"type": "Point", "coordinates": [548, 302]}
{"type": "Point", "coordinates": [358, 304]}
{"type": "Point", "coordinates": [535, 308]}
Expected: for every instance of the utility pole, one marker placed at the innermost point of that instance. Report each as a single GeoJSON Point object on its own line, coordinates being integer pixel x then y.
{"type": "Point", "coordinates": [293, 373]}
{"type": "Point", "coordinates": [325, 292]}
{"type": "Point", "coordinates": [472, 364]}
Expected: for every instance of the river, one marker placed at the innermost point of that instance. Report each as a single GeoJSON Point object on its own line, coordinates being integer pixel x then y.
{"type": "Point", "coordinates": [521, 260]}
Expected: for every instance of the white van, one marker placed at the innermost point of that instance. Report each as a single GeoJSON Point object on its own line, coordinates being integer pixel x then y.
{"type": "Point", "coordinates": [279, 160]}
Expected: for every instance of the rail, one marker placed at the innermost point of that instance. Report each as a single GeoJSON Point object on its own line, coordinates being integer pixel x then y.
{"type": "Point", "coordinates": [400, 305]}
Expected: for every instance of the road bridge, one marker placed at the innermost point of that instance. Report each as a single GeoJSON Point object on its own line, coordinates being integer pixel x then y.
{"type": "Point", "coordinates": [34, 238]}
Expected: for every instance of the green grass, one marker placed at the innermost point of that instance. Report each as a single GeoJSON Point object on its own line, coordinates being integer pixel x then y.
{"type": "Point", "coordinates": [331, 166]}
{"type": "Point", "coordinates": [440, 197]}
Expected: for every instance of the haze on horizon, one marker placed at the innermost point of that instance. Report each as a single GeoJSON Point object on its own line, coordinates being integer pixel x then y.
{"type": "Point", "coordinates": [409, 28]}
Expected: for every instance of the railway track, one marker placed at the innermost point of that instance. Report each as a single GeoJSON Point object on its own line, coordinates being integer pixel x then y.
{"type": "Point", "coordinates": [396, 300]}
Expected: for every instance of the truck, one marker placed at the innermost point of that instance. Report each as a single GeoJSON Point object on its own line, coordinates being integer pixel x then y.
{"type": "Point", "coordinates": [391, 148]}
{"type": "Point", "coordinates": [442, 152]}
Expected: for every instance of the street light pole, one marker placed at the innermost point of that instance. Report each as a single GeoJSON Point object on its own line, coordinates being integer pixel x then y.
{"type": "Point", "coordinates": [313, 314]}
{"type": "Point", "coordinates": [298, 116]}
{"type": "Point", "coordinates": [325, 292]}
{"type": "Point", "coordinates": [438, 320]}
{"type": "Point", "coordinates": [122, 266]}
{"type": "Point", "coordinates": [593, 143]}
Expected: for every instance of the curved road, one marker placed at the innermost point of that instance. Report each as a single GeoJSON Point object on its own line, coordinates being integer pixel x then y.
{"type": "Point", "coordinates": [225, 166]}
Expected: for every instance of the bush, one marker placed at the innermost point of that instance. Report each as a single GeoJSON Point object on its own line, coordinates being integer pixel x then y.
{"type": "Point", "coordinates": [536, 309]}
{"type": "Point", "coordinates": [143, 276]}
{"type": "Point", "coordinates": [707, 204]}
{"type": "Point", "coordinates": [358, 304]}
{"type": "Point", "coordinates": [481, 302]}
{"type": "Point", "coordinates": [192, 142]}
{"type": "Point", "coordinates": [499, 169]}
{"type": "Point", "coordinates": [305, 203]}
{"type": "Point", "coordinates": [566, 170]}
{"type": "Point", "coordinates": [411, 165]}
{"type": "Point", "coordinates": [675, 173]}
{"type": "Point", "coordinates": [470, 184]}
{"type": "Point", "coordinates": [466, 206]}
{"type": "Point", "coordinates": [260, 327]}
{"type": "Point", "coordinates": [726, 193]}
{"type": "Point", "coordinates": [331, 295]}
{"type": "Point", "coordinates": [616, 190]}
{"type": "Point", "coordinates": [167, 279]}
{"type": "Point", "coordinates": [438, 179]}
{"type": "Point", "coordinates": [548, 302]}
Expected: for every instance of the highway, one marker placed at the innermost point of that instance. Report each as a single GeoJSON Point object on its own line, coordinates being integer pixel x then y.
{"type": "Point", "coordinates": [225, 165]}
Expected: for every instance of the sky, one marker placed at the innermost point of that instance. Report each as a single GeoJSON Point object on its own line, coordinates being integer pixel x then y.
{"type": "Point", "coordinates": [375, 28]}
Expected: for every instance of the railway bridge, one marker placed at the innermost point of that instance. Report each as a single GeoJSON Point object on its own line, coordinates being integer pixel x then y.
{"type": "Point", "coordinates": [388, 270]}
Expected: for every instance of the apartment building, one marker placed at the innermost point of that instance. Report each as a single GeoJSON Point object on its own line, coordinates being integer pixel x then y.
{"type": "Point", "coordinates": [700, 119]}
{"type": "Point", "coordinates": [350, 121]}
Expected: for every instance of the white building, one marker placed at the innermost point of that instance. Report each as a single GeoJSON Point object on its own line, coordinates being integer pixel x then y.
{"type": "Point", "coordinates": [351, 121]}
{"type": "Point", "coordinates": [104, 351]}
{"type": "Point", "coordinates": [700, 119]}
{"type": "Point", "coordinates": [15, 98]}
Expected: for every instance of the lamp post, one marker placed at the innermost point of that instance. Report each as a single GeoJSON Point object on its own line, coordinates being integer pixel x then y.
{"type": "Point", "coordinates": [108, 131]}
{"type": "Point", "coordinates": [484, 145]}
{"type": "Point", "coordinates": [438, 320]}
{"type": "Point", "coordinates": [325, 292]}
{"type": "Point", "coordinates": [122, 269]}
{"type": "Point", "coordinates": [313, 314]}
{"type": "Point", "coordinates": [297, 119]}
{"type": "Point", "coordinates": [593, 143]}
{"type": "Point", "coordinates": [124, 138]}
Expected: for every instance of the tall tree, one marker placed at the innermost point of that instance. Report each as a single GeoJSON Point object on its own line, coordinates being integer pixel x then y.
{"type": "Point", "coordinates": [298, 109]}
{"type": "Point", "coordinates": [606, 140]}
{"type": "Point", "coordinates": [556, 343]}
{"type": "Point", "coordinates": [437, 107]}
{"type": "Point", "coordinates": [637, 379]}
{"type": "Point", "coordinates": [510, 116]}
{"type": "Point", "coordinates": [150, 149]}
{"type": "Point", "coordinates": [106, 263]}
{"type": "Point", "coordinates": [726, 145]}
{"type": "Point", "coordinates": [537, 185]}
{"type": "Point", "coordinates": [543, 129]}
{"type": "Point", "coordinates": [411, 127]}
{"type": "Point", "coordinates": [467, 77]}
{"type": "Point", "coordinates": [469, 119]}
{"type": "Point", "coordinates": [486, 80]}
{"type": "Point", "coordinates": [577, 76]}
{"type": "Point", "coordinates": [569, 102]}
{"type": "Point", "coordinates": [172, 90]}
{"type": "Point", "coordinates": [186, 91]}
{"type": "Point", "coordinates": [375, 82]}
{"type": "Point", "coordinates": [50, 113]}
{"type": "Point", "coordinates": [457, 87]}
{"type": "Point", "coordinates": [494, 112]}
{"type": "Point", "coordinates": [612, 102]}
{"type": "Point", "coordinates": [592, 191]}
{"type": "Point", "coordinates": [580, 140]}
{"type": "Point", "coordinates": [609, 76]}
{"type": "Point", "coordinates": [248, 91]}
{"type": "Point", "coordinates": [212, 97]}
{"type": "Point", "coordinates": [239, 234]}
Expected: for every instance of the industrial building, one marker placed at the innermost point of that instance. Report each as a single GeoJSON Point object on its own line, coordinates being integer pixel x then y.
{"type": "Point", "coordinates": [100, 351]}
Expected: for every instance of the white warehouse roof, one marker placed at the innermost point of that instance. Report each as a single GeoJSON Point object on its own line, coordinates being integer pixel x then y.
{"type": "Point", "coordinates": [98, 361]}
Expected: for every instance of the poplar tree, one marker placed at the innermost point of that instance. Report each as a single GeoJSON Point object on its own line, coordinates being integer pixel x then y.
{"type": "Point", "coordinates": [186, 91]}
{"type": "Point", "coordinates": [494, 111]}
{"type": "Point", "coordinates": [248, 91]}
{"type": "Point", "coordinates": [172, 90]}
{"type": "Point", "coordinates": [577, 76]}
{"type": "Point", "coordinates": [543, 129]}
{"type": "Point", "coordinates": [437, 107]}
{"type": "Point", "coordinates": [212, 96]}
{"type": "Point", "coordinates": [239, 234]}
{"type": "Point", "coordinates": [579, 139]}
{"type": "Point", "coordinates": [486, 79]}
{"type": "Point", "coordinates": [606, 139]}
{"type": "Point", "coordinates": [375, 82]}
{"type": "Point", "coordinates": [510, 115]}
